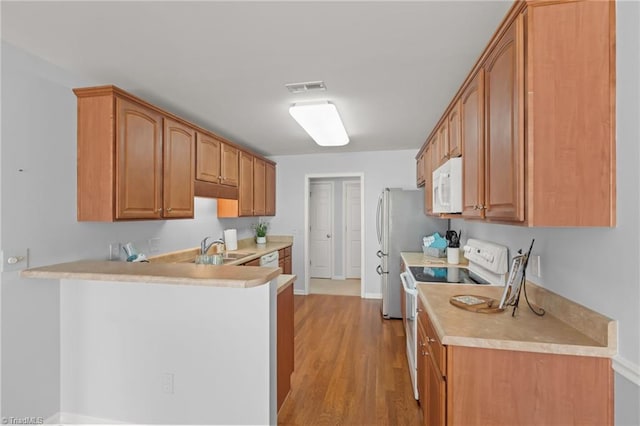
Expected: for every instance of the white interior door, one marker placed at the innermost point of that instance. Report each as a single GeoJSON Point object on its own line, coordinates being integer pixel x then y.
{"type": "Point", "coordinates": [321, 229]}
{"type": "Point", "coordinates": [352, 234]}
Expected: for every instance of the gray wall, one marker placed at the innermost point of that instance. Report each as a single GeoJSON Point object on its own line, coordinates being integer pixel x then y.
{"type": "Point", "coordinates": [598, 267]}
{"type": "Point", "coordinates": [38, 211]}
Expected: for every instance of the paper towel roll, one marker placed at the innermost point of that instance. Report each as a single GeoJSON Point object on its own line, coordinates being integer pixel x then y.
{"type": "Point", "coordinates": [231, 239]}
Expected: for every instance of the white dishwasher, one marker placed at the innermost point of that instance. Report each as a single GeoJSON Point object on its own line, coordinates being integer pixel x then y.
{"type": "Point", "coordinates": [270, 260]}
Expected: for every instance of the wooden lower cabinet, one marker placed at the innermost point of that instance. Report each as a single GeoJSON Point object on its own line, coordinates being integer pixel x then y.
{"type": "Point", "coordinates": [285, 260]}
{"type": "Point", "coordinates": [285, 344]}
{"type": "Point", "coordinates": [254, 262]}
{"type": "Point", "coordinates": [480, 386]}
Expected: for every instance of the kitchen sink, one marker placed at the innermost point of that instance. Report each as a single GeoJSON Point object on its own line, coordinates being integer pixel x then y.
{"type": "Point", "coordinates": [230, 257]}
{"type": "Point", "coordinates": [236, 256]}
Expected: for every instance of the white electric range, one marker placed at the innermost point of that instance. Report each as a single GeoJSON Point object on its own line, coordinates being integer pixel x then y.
{"type": "Point", "coordinates": [488, 265]}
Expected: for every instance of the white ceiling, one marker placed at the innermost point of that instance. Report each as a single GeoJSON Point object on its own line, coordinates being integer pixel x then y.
{"type": "Point", "coordinates": [390, 67]}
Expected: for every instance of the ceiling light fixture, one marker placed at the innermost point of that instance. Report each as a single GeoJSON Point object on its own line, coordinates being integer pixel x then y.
{"type": "Point", "coordinates": [321, 121]}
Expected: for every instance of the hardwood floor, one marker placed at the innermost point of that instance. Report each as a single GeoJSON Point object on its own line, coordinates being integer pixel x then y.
{"type": "Point", "coordinates": [350, 366]}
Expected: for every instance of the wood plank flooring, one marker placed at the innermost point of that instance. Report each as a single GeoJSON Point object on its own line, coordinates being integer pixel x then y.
{"type": "Point", "coordinates": [350, 366]}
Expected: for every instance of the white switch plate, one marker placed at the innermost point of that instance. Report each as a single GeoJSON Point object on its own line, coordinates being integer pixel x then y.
{"type": "Point", "coordinates": [15, 259]}
{"type": "Point", "coordinates": [114, 251]}
{"type": "Point", "coordinates": [154, 245]}
{"type": "Point", "coordinates": [167, 383]}
{"type": "Point", "coordinates": [534, 266]}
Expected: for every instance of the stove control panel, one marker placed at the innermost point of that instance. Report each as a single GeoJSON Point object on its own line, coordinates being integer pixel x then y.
{"type": "Point", "coordinates": [490, 256]}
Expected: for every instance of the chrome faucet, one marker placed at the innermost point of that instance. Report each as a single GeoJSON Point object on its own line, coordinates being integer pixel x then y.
{"type": "Point", "coordinates": [204, 247]}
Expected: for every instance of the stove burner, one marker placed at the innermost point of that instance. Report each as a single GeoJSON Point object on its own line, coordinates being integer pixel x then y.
{"type": "Point", "coordinates": [445, 275]}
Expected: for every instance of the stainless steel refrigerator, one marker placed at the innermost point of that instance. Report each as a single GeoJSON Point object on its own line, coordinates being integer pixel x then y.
{"type": "Point", "coordinates": [400, 224]}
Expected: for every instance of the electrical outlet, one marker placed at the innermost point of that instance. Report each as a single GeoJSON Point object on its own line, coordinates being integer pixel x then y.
{"type": "Point", "coordinates": [154, 245]}
{"type": "Point", "coordinates": [534, 266]}
{"type": "Point", "coordinates": [114, 251]}
{"type": "Point", "coordinates": [167, 383]}
{"type": "Point", "coordinates": [14, 259]}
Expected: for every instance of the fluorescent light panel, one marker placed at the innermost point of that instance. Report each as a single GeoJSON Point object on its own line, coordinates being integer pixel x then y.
{"type": "Point", "coordinates": [321, 121]}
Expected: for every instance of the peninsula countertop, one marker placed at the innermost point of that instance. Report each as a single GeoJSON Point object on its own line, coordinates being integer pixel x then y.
{"type": "Point", "coordinates": [158, 273]}
{"type": "Point", "coordinates": [567, 328]}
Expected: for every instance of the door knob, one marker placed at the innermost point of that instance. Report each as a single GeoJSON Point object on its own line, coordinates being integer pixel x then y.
{"type": "Point", "coordinates": [328, 235]}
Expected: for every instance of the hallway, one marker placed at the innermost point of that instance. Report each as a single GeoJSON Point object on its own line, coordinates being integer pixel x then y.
{"type": "Point", "coordinates": [350, 366]}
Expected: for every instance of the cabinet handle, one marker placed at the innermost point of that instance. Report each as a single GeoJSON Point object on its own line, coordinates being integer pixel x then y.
{"type": "Point", "coordinates": [159, 210]}
{"type": "Point", "coordinates": [430, 339]}
{"type": "Point", "coordinates": [482, 207]}
{"type": "Point", "coordinates": [169, 209]}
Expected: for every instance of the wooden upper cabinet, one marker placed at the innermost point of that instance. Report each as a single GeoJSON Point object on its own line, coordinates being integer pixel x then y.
{"type": "Point", "coordinates": [259, 180]}
{"type": "Point", "coordinates": [504, 121]}
{"type": "Point", "coordinates": [138, 161]}
{"type": "Point", "coordinates": [428, 180]}
{"type": "Point", "coordinates": [270, 190]}
{"type": "Point", "coordinates": [420, 170]}
{"type": "Point", "coordinates": [207, 158]}
{"type": "Point", "coordinates": [571, 73]}
{"type": "Point", "coordinates": [442, 151]}
{"type": "Point", "coordinates": [216, 161]}
{"type": "Point", "coordinates": [472, 137]}
{"type": "Point", "coordinates": [228, 165]}
{"type": "Point", "coordinates": [179, 165]}
{"type": "Point", "coordinates": [245, 195]}
{"type": "Point", "coordinates": [453, 123]}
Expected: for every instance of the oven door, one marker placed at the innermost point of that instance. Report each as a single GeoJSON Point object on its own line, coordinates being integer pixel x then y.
{"type": "Point", "coordinates": [411, 327]}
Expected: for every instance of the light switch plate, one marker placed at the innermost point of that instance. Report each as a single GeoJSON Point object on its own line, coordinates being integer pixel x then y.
{"type": "Point", "coordinates": [15, 259]}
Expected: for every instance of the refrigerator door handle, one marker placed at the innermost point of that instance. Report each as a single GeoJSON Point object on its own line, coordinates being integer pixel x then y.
{"type": "Point", "coordinates": [378, 219]}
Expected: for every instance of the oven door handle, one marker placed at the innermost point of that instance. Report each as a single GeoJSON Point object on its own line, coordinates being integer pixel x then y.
{"type": "Point", "coordinates": [412, 291]}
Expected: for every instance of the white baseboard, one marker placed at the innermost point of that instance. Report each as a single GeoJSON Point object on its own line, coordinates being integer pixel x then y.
{"type": "Point", "coordinates": [299, 292]}
{"type": "Point", "coordinates": [63, 418]}
{"type": "Point", "coordinates": [373, 295]}
{"type": "Point", "coordinates": [627, 369]}
{"type": "Point", "coordinates": [338, 277]}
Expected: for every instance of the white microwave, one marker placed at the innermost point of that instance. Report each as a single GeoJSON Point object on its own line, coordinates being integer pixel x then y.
{"type": "Point", "coordinates": [447, 187]}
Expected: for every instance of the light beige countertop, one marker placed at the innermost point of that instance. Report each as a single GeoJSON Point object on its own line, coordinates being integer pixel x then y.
{"type": "Point", "coordinates": [284, 281]}
{"type": "Point", "coordinates": [567, 327]}
{"type": "Point", "coordinates": [247, 245]}
{"type": "Point", "coordinates": [177, 268]}
{"type": "Point", "coordinates": [421, 259]}
{"type": "Point", "coordinates": [158, 273]}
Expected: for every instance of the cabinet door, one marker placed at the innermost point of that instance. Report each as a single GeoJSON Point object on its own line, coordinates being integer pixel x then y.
{"type": "Point", "coordinates": [179, 161]}
{"type": "Point", "coordinates": [428, 181]}
{"type": "Point", "coordinates": [138, 161]}
{"type": "Point", "coordinates": [504, 149]}
{"type": "Point", "coordinates": [442, 153]}
{"type": "Point", "coordinates": [472, 135]}
{"type": "Point", "coordinates": [436, 395]}
{"type": "Point", "coordinates": [259, 179]}
{"type": "Point", "coordinates": [245, 189]}
{"type": "Point", "coordinates": [270, 190]}
{"type": "Point", "coordinates": [207, 158]}
{"type": "Point", "coordinates": [422, 364]}
{"type": "Point", "coordinates": [228, 165]}
{"type": "Point", "coordinates": [285, 343]}
{"type": "Point", "coordinates": [453, 122]}
{"type": "Point", "coordinates": [420, 178]}
{"type": "Point", "coordinates": [287, 265]}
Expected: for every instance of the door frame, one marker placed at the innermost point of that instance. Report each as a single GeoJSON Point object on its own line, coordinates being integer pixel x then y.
{"type": "Point", "coordinates": [307, 179]}
{"type": "Point", "coordinates": [345, 184]}
{"type": "Point", "coordinates": [332, 230]}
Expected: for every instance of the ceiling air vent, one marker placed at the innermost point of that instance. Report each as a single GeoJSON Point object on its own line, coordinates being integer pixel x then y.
{"type": "Point", "coordinates": [309, 86]}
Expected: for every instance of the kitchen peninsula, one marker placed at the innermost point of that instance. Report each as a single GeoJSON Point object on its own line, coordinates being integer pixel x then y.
{"type": "Point", "coordinates": [168, 342]}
